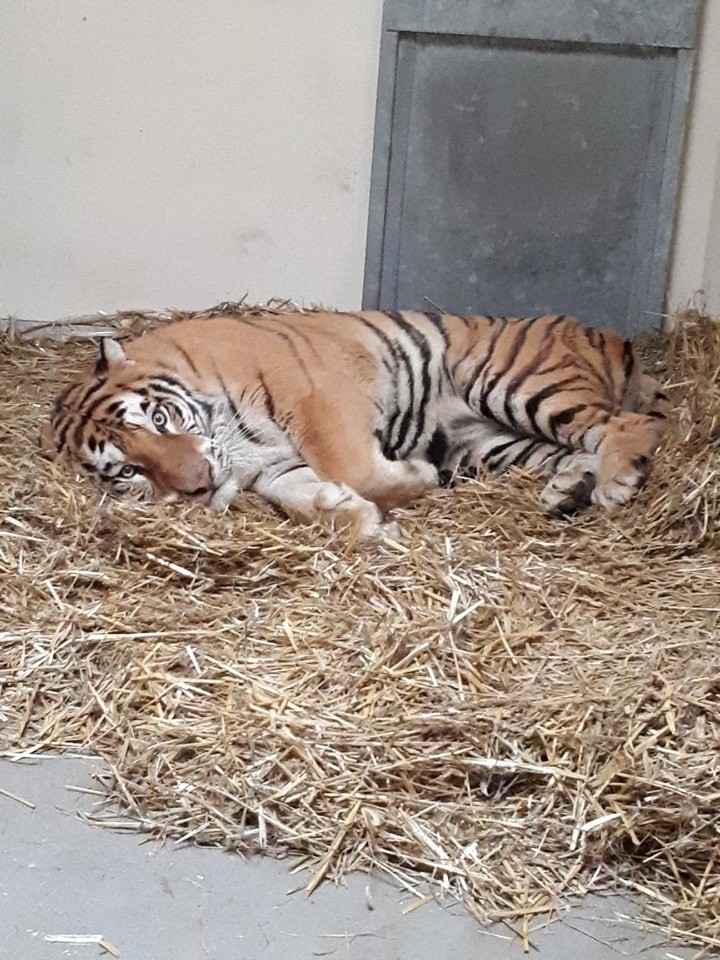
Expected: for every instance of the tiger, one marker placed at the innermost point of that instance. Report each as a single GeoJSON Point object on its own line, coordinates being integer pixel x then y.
{"type": "Point", "coordinates": [341, 418]}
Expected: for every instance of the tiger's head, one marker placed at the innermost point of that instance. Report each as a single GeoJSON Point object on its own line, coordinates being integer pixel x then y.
{"type": "Point", "coordinates": [140, 432]}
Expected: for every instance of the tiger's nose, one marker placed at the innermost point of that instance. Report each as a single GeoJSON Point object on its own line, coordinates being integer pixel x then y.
{"type": "Point", "coordinates": [199, 478]}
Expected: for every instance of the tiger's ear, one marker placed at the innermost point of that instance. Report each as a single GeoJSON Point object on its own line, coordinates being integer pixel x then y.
{"type": "Point", "coordinates": [48, 450]}
{"type": "Point", "coordinates": [112, 355]}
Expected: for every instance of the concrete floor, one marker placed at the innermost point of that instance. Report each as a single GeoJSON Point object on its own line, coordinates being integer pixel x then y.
{"type": "Point", "coordinates": [59, 875]}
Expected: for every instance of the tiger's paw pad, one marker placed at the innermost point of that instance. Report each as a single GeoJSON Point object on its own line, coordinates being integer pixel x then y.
{"type": "Point", "coordinates": [568, 493]}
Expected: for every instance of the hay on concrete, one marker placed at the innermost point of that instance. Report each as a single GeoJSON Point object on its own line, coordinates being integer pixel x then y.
{"type": "Point", "coordinates": [512, 709]}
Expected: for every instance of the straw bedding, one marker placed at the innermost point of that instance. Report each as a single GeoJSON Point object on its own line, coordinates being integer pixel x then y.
{"type": "Point", "coordinates": [507, 706]}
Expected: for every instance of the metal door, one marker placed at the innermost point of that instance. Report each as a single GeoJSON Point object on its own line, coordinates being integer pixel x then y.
{"type": "Point", "coordinates": [527, 155]}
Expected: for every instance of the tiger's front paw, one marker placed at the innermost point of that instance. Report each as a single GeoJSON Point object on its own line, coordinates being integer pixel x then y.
{"type": "Point", "coordinates": [392, 531]}
{"type": "Point", "coordinates": [341, 508]}
{"type": "Point", "coordinates": [223, 496]}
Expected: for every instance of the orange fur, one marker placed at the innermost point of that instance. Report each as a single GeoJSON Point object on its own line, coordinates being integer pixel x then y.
{"type": "Point", "coordinates": [362, 409]}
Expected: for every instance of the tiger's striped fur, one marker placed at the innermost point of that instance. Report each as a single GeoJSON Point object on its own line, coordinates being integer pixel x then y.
{"type": "Point", "coordinates": [344, 416]}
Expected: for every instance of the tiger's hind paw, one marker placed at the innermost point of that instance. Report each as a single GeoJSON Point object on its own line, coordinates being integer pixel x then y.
{"type": "Point", "coordinates": [615, 493]}
{"type": "Point", "coordinates": [570, 489]}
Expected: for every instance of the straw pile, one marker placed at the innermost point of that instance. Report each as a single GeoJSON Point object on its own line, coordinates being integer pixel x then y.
{"type": "Point", "coordinates": [505, 706]}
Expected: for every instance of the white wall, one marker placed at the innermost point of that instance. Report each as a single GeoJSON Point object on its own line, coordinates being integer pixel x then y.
{"type": "Point", "coordinates": [695, 275]}
{"type": "Point", "coordinates": [711, 266]}
{"type": "Point", "coordinates": [158, 153]}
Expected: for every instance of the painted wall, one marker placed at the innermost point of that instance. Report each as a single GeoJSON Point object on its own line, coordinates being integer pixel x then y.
{"type": "Point", "coordinates": [695, 275]}
{"type": "Point", "coordinates": [711, 265]}
{"type": "Point", "coordinates": [178, 153]}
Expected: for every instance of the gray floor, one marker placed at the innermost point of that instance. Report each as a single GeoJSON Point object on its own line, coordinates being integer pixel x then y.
{"type": "Point", "coordinates": [62, 876]}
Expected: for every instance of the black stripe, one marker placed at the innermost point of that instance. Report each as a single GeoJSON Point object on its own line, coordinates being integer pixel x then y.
{"type": "Point", "coordinates": [58, 406]}
{"type": "Point", "coordinates": [516, 345]}
{"type": "Point", "coordinates": [65, 400]}
{"type": "Point", "coordinates": [482, 364]}
{"type": "Point", "coordinates": [84, 419]}
{"type": "Point", "coordinates": [531, 449]}
{"type": "Point", "coordinates": [393, 371]}
{"type": "Point", "coordinates": [563, 417]}
{"type": "Point", "coordinates": [591, 334]}
{"type": "Point", "coordinates": [62, 435]}
{"type": "Point", "coordinates": [290, 469]}
{"type": "Point", "coordinates": [525, 455]}
{"type": "Point", "coordinates": [546, 346]}
{"type": "Point", "coordinates": [602, 377]}
{"type": "Point", "coordinates": [308, 341]}
{"type": "Point", "coordinates": [384, 437]}
{"type": "Point", "coordinates": [628, 359]}
{"type": "Point", "coordinates": [438, 448]}
{"type": "Point", "coordinates": [423, 348]}
{"type": "Point", "coordinates": [231, 402]}
{"type": "Point", "coordinates": [519, 459]}
{"type": "Point", "coordinates": [165, 380]}
{"type": "Point", "coordinates": [398, 354]}
{"type": "Point", "coordinates": [533, 404]}
{"type": "Point", "coordinates": [530, 369]}
{"type": "Point", "coordinates": [269, 405]}
{"type": "Point", "coordinates": [166, 386]}
{"type": "Point", "coordinates": [606, 363]}
{"type": "Point", "coordinates": [562, 364]}
{"type": "Point", "coordinates": [462, 359]}
{"type": "Point", "coordinates": [239, 423]}
{"type": "Point", "coordinates": [186, 356]}
{"type": "Point", "coordinates": [94, 387]}
{"type": "Point", "coordinates": [493, 457]}
{"type": "Point", "coordinates": [294, 350]}
{"type": "Point", "coordinates": [437, 321]}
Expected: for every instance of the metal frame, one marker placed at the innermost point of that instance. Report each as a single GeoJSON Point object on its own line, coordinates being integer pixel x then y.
{"type": "Point", "coordinates": [628, 24]}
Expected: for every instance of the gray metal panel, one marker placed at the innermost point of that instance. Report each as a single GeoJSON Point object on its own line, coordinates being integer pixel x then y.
{"type": "Point", "coordinates": [494, 212]}
{"type": "Point", "coordinates": [610, 266]}
{"type": "Point", "coordinates": [380, 167]}
{"type": "Point", "coordinates": [643, 298]}
{"type": "Point", "coordinates": [397, 177]}
{"type": "Point", "coordinates": [663, 23]}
